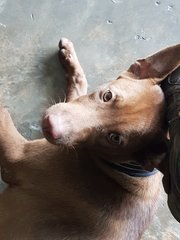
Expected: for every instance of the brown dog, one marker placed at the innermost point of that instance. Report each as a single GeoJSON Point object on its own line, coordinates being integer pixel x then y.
{"type": "Point", "coordinates": [82, 187]}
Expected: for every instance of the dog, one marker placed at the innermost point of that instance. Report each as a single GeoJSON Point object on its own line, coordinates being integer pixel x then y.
{"type": "Point", "coordinates": [94, 175]}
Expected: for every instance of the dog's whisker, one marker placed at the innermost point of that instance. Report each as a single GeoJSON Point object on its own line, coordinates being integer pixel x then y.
{"type": "Point", "coordinates": [65, 98]}
{"type": "Point", "coordinates": [59, 99]}
{"type": "Point", "coordinates": [53, 101]}
{"type": "Point", "coordinates": [74, 149]}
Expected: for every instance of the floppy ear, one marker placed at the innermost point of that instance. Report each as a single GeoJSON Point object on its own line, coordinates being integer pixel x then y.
{"type": "Point", "coordinates": [154, 155]}
{"type": "Point", "coordinates": [157, 66]}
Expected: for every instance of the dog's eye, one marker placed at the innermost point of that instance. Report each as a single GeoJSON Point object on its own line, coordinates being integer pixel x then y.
{"type": "Point", "coordinates": [107, 96]}
{"type": "Point", "coordinates": [115, 138]}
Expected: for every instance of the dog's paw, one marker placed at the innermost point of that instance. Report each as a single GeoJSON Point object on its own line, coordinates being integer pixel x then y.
{"type": "Point", "coordinates": [67, 55]}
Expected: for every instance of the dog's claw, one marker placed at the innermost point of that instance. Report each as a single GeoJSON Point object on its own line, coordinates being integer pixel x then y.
{"type": "Point", "coordinates": [64, 42]}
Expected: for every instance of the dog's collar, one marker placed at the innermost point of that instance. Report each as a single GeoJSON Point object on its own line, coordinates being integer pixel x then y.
{"type": "Point", "coordinates": [131, 169]}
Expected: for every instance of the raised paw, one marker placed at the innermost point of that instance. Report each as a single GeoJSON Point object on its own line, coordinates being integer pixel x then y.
{"type": "Point", "coordinates": [77, 83]}
{"type": "Point", "coordinates": [68, 57]}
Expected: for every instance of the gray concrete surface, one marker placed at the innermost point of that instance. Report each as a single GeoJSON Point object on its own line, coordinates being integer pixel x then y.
{"type": "Point", "coordinates": [108, 36]}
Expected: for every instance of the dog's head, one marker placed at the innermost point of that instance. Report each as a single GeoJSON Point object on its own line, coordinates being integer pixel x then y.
{"type": "Point", "coordinates": [123, 118]}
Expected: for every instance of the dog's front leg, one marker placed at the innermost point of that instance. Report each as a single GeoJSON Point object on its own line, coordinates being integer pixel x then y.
{"type": "Point", "coordinates": [11, 141]}
{"type": "Point", "coordinates": [76, 80]}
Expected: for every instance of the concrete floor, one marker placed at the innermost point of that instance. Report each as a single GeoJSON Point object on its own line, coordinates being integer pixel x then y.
{"type": "Point", "coordinates": [108, 36]}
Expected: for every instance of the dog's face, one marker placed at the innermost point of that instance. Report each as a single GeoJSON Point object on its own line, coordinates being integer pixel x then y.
{"type": "Point", "coordinates": [123, 107]}
{"type": "Point", "coordinates": [116, 119]}
{"type": "Point", "coordinates": [125, 114]}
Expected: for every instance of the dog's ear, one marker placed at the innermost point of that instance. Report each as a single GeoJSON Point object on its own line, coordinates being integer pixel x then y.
{"type": "Point", "coordinates": [156, 67]}
{"type": "Point", "coordinates": [154, 156]}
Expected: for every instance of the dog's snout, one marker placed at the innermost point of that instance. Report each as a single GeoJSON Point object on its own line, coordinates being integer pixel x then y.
{"type": "Point", "coordinates": [52, 126]}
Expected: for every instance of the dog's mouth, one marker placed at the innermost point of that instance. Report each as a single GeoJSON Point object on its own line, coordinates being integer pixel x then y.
{"type": "Point", "coordinates": [56, 141]}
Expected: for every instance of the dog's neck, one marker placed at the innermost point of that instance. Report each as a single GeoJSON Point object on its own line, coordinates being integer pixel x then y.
{"type": "Point", "coordinates": [83, 162]}
{"type": "Point", "coordinates": [128, 167]}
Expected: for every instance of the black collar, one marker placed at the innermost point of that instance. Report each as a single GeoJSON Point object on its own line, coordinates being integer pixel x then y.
{"type": "Point", "coordinates": [131, 169]}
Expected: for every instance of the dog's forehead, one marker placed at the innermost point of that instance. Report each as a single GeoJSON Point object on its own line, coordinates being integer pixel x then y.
{"type": "Point", "coordinates": [131, 88]}
{"type": "Point", "coordinates": [138, 104]}
{"type": "Point", "coordinates": [130, 83]}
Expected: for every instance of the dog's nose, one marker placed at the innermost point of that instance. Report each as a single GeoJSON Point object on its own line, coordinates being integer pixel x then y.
{"type": "Point", "coordinates": [51, 126]}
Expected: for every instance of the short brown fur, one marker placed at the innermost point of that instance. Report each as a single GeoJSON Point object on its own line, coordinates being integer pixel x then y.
{"type": "Point", "coordinates": [65, 190]}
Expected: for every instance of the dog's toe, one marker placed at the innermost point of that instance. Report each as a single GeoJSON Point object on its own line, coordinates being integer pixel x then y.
{"type": "Point", "coordinates": [66, 44]}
